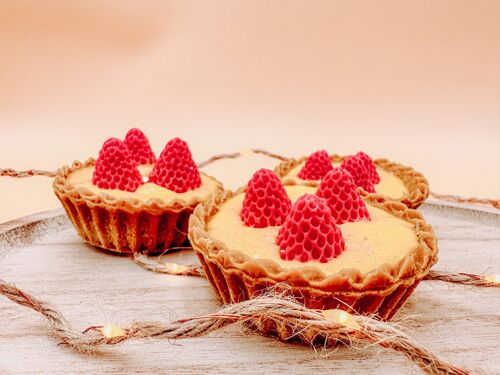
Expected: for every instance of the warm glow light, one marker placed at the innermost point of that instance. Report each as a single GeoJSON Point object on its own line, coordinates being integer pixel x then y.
{"type": "Point", "coordinates": [342, 317]}
{"type": "Point", "coordinates": [493, 278]}
{"type": "Point", "coordinates": [174, 268]}
{"type": "Point", "coordinates": [112, 330]}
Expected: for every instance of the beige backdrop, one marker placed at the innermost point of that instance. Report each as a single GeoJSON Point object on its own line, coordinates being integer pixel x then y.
{"type": "Point", "coordinates": [414, 81]}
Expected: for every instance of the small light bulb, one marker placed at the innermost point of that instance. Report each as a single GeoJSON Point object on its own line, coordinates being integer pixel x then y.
{"type": "Point", "coordinates": [342, 317]}
{"type": "Point", "coordinates": [145, 179]}
{"type": "Point", "coordinates": [111, 331]}
{"type": "Point", "coordinates": [493, 278]}
{"type": "Point", "coordinates": [175, 268]}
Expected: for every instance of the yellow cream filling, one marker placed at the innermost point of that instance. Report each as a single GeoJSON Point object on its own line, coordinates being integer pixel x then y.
{"type": "Point", "coordinates": [82, 178]}
{"type": "Point", "coordinates": [389, 185]}
{"type": "Point", "coordinates": [368, 244]}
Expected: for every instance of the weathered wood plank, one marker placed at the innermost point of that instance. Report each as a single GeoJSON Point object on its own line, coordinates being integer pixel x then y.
{"type": "Point", "coordinates": [89, 286]}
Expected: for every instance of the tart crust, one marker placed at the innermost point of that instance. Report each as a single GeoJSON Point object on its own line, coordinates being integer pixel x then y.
{"type": "Point", "coordinates": [125, 225]}
{"type": "Point", "coordinates": [415, 182]}
{"type": "Point", "coordinates": [236, 277]}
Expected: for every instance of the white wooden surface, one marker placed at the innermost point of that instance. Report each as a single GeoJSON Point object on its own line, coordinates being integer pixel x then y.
{"type": "Point", "coordinates": [89, 286]}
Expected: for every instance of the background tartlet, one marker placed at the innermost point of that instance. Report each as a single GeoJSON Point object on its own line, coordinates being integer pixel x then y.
{"type": "Point", "coordinates": [415, 182]}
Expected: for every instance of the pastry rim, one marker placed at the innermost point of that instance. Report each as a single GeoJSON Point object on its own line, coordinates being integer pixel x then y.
{"type": "Point", "coordinates": [414, 181]}
{"type": "Point", "coordinates": [350, 282]}
{"type": "Point", "coordinates": [63, 187]}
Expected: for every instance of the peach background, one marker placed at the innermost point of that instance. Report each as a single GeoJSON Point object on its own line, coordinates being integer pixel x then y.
{"type": "Point", "coordinates": [414, 81]}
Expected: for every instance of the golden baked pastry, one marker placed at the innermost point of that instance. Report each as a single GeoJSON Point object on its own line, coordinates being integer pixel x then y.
{"type": "Point", "coordinates": [332, 247]}
{"type": "Point", "coordinates": [127, 201]}
{"type": "Point", "coordinates": [392, 180]}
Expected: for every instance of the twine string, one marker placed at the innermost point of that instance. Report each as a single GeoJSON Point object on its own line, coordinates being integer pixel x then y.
{"type": "Point", "coordinates": [9, 172]}
{"type": "Point", "coordinates": [461, 278]}
{"type": "Point", "coordinates": [168, 268]}
{"type": "Point", "coordinates": [495, 203]}
{"type": "Point", "coordinates": [156, 265]}
{"type": "Point", "coordinates": [245, 153]}
{"type": "Point", "coordinates": [306, 324]}
{"type": "Point", "coordinates": [445, 197]}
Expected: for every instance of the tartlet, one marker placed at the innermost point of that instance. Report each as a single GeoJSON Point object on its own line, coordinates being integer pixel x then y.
{"type": "Point", "coordinates": [397, 182]}
{"type": "Point", "coordinates": [243, 259]}
{"type": "Point", "coordinates": [124, 212]}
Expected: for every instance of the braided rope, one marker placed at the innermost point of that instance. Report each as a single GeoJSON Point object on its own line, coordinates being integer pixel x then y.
{"type": "Point", "coordinates": [166, 267]}
{"type": "Point", "coordinates": [462, 279]}
{"type": "Point", "coordinates": [236, 155]}
{"type": "Point", "coordinates": [495, 203]}
{"type": "Point", "coordinates": [352, 330]}
{"type": "Point", "coordinates": [445, 197]}
{"type": "Point", "coordinates": [467, 279]}
{"type": "Point", "coordinates": [9, 172]}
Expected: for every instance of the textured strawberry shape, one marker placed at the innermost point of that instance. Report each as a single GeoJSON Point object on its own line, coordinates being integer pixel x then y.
{"type": "Point", "coordinates": [317, 165]}
{"type": "Point", "coordinates": [266, 202]}
{"type": "Point", "coordinates": [309, 232]}
{"type": "Point", "coordinates": [341, 194]}
{"type": "Point", "coordinates": [356, 166]}
{"type": "Point", "coordinates": [175, 168]}
{"type": "Point", "coordinates": [139, 147]}
{"type": "Point", "coordinates": [372, 171]}
{"type": "Point", "coordinates": [114, 168]}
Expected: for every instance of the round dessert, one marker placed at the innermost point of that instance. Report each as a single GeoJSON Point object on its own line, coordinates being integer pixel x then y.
{"type": "Point", "coordinates": [128, 201]}
{"type": "Point", "coordinates": [332, 247]}
{"type": "Point", "coordinates": [368, 244]}
{"type": "Point", "coordinates": [381, 176]}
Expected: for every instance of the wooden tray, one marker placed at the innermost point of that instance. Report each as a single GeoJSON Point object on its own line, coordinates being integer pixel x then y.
{"type": "Point", "coordinates": [43, 254]}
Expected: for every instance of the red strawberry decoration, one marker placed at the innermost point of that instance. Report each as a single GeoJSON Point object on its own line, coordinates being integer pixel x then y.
{"type": "Point", "coordinates": [372, 171]}
{"type": "Point", "coordinates": [175, 168]}
{"type": "Point", "coordinates": [356, 166]}
{"type": "Point", "coordinates": [139, 147]}
{"type": "Point", "coordinates": [309, 232]}
{"type": "Point", "coordinates": [317, 166]}
{"type": "Point", "coordinates": [266, 202]}
{"type": "Point", "coordinates": [115, 169]}
{"type": "Point", "coordinates": [341, 194]}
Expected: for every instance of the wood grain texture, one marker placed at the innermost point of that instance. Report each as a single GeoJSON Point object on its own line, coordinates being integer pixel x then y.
{"type": "Point", "coordinates": [462, 325]}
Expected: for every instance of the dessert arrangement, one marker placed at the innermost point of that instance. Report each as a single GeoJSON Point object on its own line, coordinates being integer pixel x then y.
{"type": "Point", "coordinates": [331, 246]}
{"type": "Point", "coordinates": [392, 180]}
{"type": "Point", "coordinates": [324, 249]}
{"type": "Point", "coordinates": [127, 200]}
{"type": "Point", "coordinates": [320, 224]}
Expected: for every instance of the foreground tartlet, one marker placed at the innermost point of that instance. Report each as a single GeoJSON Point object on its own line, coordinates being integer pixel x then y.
{"type": "Point", "coordinates": [392, 180]}
{"type": "Point", "coordinates": [330, 246]}
{"type": "Point", "coordinates": [128, 201]}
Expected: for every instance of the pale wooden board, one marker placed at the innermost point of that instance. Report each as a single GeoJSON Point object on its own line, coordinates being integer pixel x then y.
{"type": "Point", "coordinates": [460, 324]}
